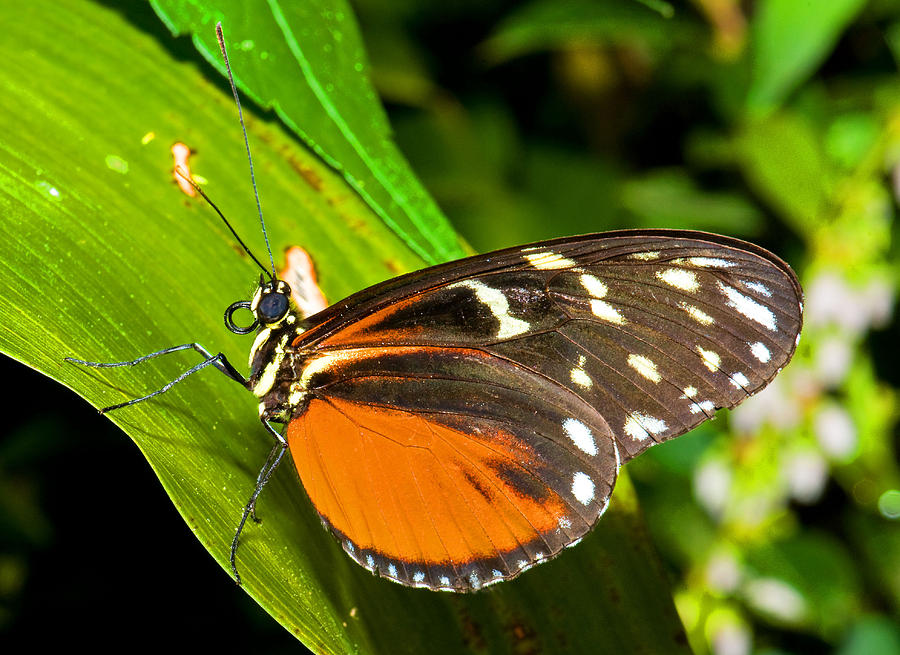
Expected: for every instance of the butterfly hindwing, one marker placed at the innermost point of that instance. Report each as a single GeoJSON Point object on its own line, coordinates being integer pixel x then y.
{"type": "Point", "coordinates": [458, 424]}
{"type": "Point", "coordinates": [446, 475]}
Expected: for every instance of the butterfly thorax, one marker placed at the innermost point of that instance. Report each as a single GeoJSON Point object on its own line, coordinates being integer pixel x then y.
{"type": "Point", "coordinates": [272, 362]}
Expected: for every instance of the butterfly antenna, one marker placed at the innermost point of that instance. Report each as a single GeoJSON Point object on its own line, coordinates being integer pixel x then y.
{"type": "Point", "coordinates": [181, 173]}
{"type": "Point", "coordinates": [221, 37]}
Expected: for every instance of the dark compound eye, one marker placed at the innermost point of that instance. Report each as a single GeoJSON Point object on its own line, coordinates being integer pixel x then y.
{"type": "Point", "coordinates": [272, 307]}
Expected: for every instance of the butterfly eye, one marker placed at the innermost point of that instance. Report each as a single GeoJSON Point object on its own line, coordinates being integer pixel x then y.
{"type": "Point", "coordinates": [272, 307]}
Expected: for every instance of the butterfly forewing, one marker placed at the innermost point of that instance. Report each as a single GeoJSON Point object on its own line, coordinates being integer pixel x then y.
{"type": "Point", "coordinates": [456, 425]}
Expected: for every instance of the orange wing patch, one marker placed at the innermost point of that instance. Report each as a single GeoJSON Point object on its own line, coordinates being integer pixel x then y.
{"type": "Point", "coordinates": [422, 494]}
{"type": "Point", "coordinates": [369, 330]}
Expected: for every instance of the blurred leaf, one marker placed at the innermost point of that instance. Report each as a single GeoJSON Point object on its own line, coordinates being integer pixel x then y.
{"type": "Point", "coordinates": [783, 160]}
{"type": "Point", "coordinates": [872, 635]}
{"type": "Point", "coordinates": [681, 456]}
{"type": "Point", "coordinates": [581, 189]}
{"type": "Point", "coordinates": [683, 530]}
{"type": "Point", "coordinates": [873, 407]}
{"type": "Point", "coordinates": [851, 137]}
{"type": "Point", "coordinates": [465, 158]}
{"type": "Point", "coordinates": [892, 37]}
{"type": "Point", "coordinates": [663, 8]}
{"type": "Point", "coordinates": [104, 258]}
{"type": "Point", "coordinates": [813, 565]}
{"type": "Point", "coordinates": [790, 38]}
{"type": "Point", "coordinates": [546, 24]}
{"type": "Point", "coordinates": [500, 194]}
{"type": "Point", "coordinates": [336, 111]}
{"type": "Point", "coordinates": [878, 541]}
{"type": "Point", "coordinates": [399, 71]}
{"type": "Point", "coordinates": [669, 198]}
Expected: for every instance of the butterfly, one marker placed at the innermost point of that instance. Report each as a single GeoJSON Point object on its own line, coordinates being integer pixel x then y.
{"type": "Point", "coordinates": [457, 425]}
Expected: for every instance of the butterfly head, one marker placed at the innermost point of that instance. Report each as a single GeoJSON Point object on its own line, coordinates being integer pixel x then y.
{"type": "Point", "coordinates": [270, 305]}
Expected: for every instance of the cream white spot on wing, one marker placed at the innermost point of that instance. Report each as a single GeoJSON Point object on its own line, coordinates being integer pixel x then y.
{"type": "Point", "coordinates": [593, 285]}
{"type": "Point", "coordinates": [711, 359]}
{"type": "Point", "coordinates": [510, 326]}
{"type": "Point", "coordinates": [740, 380]}
{"type": "Point", "coordinates": [581, 435]}
{"type": "Point", "coordinates": [583, 488]}
{"type": "Point", "coordinates": [679, 278]}
{"type": "Point", "coordinates": [758, 287]}
{"type": "Point", "coordinates": [639, 426]}
{"type": "Point", "coordinates": [474, 580]}
{"type": "Point", "coordinates": [549, 261]}
{"type": "Point", "coordinates": [602, 309]}
{"type": "Point", "coordinates": [445, 581]}
{"type": "Point", "coordinates": [697, 314]}
{"type": "Point", "coordinates": [564, 523]}
{"type": "Point", "coordinates": [760, 351]}
{"type": "Point", "coordinates": [710, 262]}
{"type": "Point", "coordinates": [370, 561]}
{"type": "Point", "coordinates": [650, 255]}
{"type": "Point", "coordinates": [579, 375]}
{"type": "Point", "coordinates": [749, 307]}
{"type": "Point", "coordinates": [645, 366]}
{"type": "Point", "coordinates": [419, 576]}
{"type": "Point", "coordinates": [705, 406]}
{"type": "Point", "coordinates": [392, 570]}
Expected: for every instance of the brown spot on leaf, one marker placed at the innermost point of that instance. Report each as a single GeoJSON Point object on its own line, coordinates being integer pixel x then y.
{"type": "Point", "coordinates": [308, 174]}
{"type": "Point", "coordinates": [393, 266]}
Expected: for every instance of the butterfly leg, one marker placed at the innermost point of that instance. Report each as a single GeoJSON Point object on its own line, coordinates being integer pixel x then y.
{"type": "Point", "coordinates": [264, 473]}
{"type": "Point", "coordinates": [218, 360]}
{"type": "Point", "coordinates": [272, 462]}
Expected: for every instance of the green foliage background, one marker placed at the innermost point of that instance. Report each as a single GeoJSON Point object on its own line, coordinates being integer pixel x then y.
{"type": "Point", "coordinates": [777, 121]}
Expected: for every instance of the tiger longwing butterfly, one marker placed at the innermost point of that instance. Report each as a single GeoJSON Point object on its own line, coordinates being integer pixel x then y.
{"type": "Point", "coordinates": [457, 425]}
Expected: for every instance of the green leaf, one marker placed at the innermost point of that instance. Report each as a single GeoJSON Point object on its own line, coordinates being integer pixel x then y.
{"type": "Point", "coordinates": [809, 580]}
{"type": "Point", "coordinates": [670, 198]}
{"type": "Point", "coordinates": [544, 24]}
{"type": "Point", "coordinates": [305, 61]}
{"type": "Point", "coordinates": [872, 635]}
{"type": "Point", "coordinates": [784, 161]}
{"type": "Point", "coordinates": [106, 259]}
{"type": "Point", "coordinates": [790, 39]}
{"type": "Point", "coordinates": [662, 8]}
